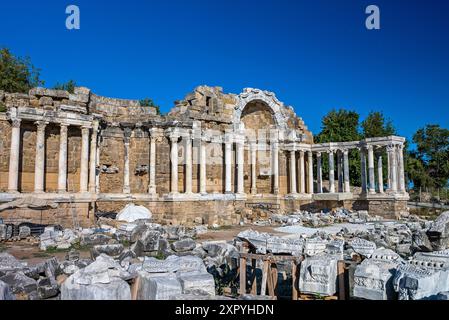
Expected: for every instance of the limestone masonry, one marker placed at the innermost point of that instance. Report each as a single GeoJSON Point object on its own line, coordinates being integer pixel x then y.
{"type": "Point", "coordinates": [211, 159]}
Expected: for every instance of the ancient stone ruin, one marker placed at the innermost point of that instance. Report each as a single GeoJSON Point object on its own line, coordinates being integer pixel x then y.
{"type": "Point", "coordinates": [213, 156]}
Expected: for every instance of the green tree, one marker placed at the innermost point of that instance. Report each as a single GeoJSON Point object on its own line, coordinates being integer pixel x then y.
{"type": "Point", "coordinates": [432, 150]}
{"type": "Point", "coordinates": [17, 74]}
{"type": "Point", "coordinates": [341, 126]}
{"type": "Point", "coordinates": [148, 102]}
{"type": "Point", "coordinates": [417, 172]}
{"type": "Point", "coordinates": [376, 125]}
{"type": "Point", "coordinates": [67, 86]}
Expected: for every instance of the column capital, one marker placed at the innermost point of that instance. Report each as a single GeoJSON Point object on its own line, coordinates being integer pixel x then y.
{"type": "Point", "coordinates": [41, 125]}
{"type": "Point", "coordinates": [345, 151]}
{"type": "Point", "coordinates": [16, 122]}
{"type": "Point", "coordinates": [62, 124]}
{"type": "Point", "coordinates": [301, 152]}
{"type": "Point", "coordinates": [173, 134]}
{"type": "Point", "coordinates": [95, 126]}
{"type": "Point", "coordinates": [155, 134]}
{"type": "Point", "coordinates": [390, 148]}
{"type": "Point", "coordinates": [228, 138]}
{"type": "Point", "coordinates": [370, 147]}
{"type": "Point", "coordinates": [239, 139]}
{"type": "Point", "coordinates": [318, 153]}
{"type": "Point", "coordinates": [187, 134]}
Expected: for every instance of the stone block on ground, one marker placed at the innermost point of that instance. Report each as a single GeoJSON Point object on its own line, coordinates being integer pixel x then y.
{"type": "Point", "coordinates": [363, 247]}
{"type": "Point", "coordinates": [5, 292]}
{"type": "Point", "coordinates": [197, 283]}
{"type": "Point", "coordinates": [103, 279]}
{"type": "Point", "coordinates": [158, 287]}
{"type": "Point", "coordinates": [19, 282]}
{"type": "Point", "coordinates": [183, 245]}
{"type": "Point", "coordinates": [113, 250]}
{"type": "Point", "coordinates": [373, 278]}
{"type": "Point", "coordinates": [318, 275]}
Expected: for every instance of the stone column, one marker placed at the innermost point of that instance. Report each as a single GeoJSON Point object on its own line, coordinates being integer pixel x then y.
{"type": "Point", "coordinates": [331, 172]}
{"type": "Point", "coordinates": [401, 168]}
{"type": "Point", "coordinates": [228, 163]}
{"type": "Point", "coordinates": [152, 165]}
{"type": "Point", "coordinates": [93, 157]}
{"type": "Point", "coordinates": [97, 160]}
{"type": "Point", "coordinates": [293, 172]}
{"type": "Point", "coordinates": [253, 148]}
{"type": "Point", "coordinates": [39, 168]}
{"type": "Point", "coordinates": [174, 136]}
{"type": "Point", "coordinates": [339, 172]}
{"type": "Point", "coordinates": [188, 159]}
{"type": "Point", "coordinates": [14, 157]}
{"type": "Point", "coordinates": [391, 149]}
{"type": "Point", "coordinates": [126, 139]}
{"type": "Point", "coordinates": [240, 162]}
{"type": "Point", "coordinates": [62, 168]}
{"type": "Point", "coordinates": [84, 175]}
{"type": "Point", "coordinates": [275, 165]}
{"type": "Point", "coordinates": [347, 187]}
{"type": "Point", "coordinates": [363, 169]}
{"type": "Point", "coordinates": [310, 172]}
{"type": "Point", "coordinates": [302, 182]}
{"type": "Point", "coordinates": [203, 166]}
{"type": "Point", "coordinates": [372, 187]}
{"type": "Point", "coordinates": [388, 172]}
{"type": "Point", "coordinates": [319, 173]}
{"type": "Point", "coordinates": [380, 178]}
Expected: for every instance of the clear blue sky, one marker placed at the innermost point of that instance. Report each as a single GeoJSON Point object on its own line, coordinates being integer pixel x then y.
{"type": "Point", "coordinates": [315, 55]}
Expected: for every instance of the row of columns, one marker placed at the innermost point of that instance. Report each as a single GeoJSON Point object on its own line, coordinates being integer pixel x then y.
{"type": "Point", "coordinates": [89, 162]}
{"type": "Point", "coordinates": [302, 172]}
{"type": "Point", "coordinates": [39, 169]}
{"type": "Point", "coordinates": [395, 169]}
{"type": "Point", "coordinates": [342, 170]}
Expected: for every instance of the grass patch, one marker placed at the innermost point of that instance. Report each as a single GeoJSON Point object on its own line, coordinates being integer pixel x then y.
{"type": "Point", "coordinates": [78, 246]}
{"type": "Point", "coordinates": [126, 243]}
{"type": "Point", "coordinates": [2, 247]}
{"type": "Point", "coordinates": [41, 255]}
{"type": "Point", "coordinates": [51, 250]}
{"type": "Point", "coordinates": [160, 256]}
{"type": "Point", "coordinates": [221, 228]}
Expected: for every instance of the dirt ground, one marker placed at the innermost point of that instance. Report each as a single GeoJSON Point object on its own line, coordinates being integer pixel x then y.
{"type": "Point", "coordinates": [30, 253]}
{"type": "Point", "coordinates": [229, 233]}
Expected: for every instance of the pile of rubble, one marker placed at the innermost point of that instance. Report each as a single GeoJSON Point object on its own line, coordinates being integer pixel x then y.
{"type": "Point", "coordinates": [407, 260]}
{"type": "Point", "coordinates": [324, 218]}
{"type": "Point", "coordinates": [138, 259]}
{"type": "Point", "coordinates": [158, 262]}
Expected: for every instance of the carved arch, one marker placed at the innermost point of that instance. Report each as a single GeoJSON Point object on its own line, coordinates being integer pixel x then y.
{"type": "Point", "coordinates": [249, 95]}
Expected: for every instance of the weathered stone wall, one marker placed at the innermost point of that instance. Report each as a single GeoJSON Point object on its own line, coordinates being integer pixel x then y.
{"type": "Point", "coordinates": [64, 215]}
